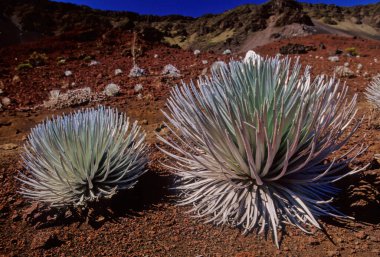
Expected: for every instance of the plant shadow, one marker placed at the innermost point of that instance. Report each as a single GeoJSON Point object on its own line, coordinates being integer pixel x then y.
{"type": "Point", "coordinates": [359, 198]}
{"type": "Point", "coordinates": [152, 189]}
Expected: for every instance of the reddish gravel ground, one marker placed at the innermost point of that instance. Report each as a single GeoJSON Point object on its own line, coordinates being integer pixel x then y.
{"type": "Point", "coordinates": [145, 221]}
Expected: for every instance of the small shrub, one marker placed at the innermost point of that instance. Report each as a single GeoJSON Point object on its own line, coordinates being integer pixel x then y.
{"type": "Point", "coordinates": [251, 140]}
{"type": "Point", "coordinates": [82, 157]}
{"type": "Point", "coordinates": [24, 66]}
{"type": "Point", "coordinates": [351, 51]}
{"type": "Point", "coordinates": [88, 58]}
{"type": "Point", "coordinates": [38, 59]}
{"type": "Point", "coordinates": [61, 60]}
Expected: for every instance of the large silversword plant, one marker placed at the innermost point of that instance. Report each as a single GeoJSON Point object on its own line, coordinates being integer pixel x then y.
{"type": "Point", "coordinates": [82, 157]}
{"type": "Point", "coordinates": [251, 141]}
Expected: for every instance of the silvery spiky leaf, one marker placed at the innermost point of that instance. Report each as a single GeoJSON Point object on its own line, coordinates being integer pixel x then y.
{"type": "Point", "coordinates": [251, 55]}
{"type": "Point", "coordinates": [373, 92]}
{"type": "Point", "coordinates": [82, 157]}
{"type": "Point", "coordinates": [251, 140]}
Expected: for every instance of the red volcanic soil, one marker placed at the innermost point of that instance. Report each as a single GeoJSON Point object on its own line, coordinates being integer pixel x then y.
{"type": "Point", "coordinates": [146, 221]}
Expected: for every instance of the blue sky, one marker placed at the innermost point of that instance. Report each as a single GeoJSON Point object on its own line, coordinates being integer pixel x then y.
{"type": "Point", "coordinates": [188, 7]}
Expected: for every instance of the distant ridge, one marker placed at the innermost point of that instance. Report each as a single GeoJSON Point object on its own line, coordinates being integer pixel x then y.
{"type": "Point", "coordinates": [239, 28]}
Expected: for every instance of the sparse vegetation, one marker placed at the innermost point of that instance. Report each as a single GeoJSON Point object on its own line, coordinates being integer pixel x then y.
{"type": "Point", "coordinates": [87, 58]}
{"type": "Point", "coordinates": [38, 59]}
{"type": "Point", "coordinates": [352, 51]}
{"type": "Point", "coordinates": [34, 60]}
{"type": "Point", "coordinates": [24, 66]}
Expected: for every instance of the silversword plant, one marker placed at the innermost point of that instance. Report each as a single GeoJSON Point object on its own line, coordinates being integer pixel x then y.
{"type": "Point", "coordinates": [373, 96]}
{"type": "Point", "coordinates": [373, 92]}
{"type": "Point", "coordinates": [171, 71]}
{"type": "Point", "coordinates": [82, 157]}
{"type": "Point", "coordinates": [250, 144]}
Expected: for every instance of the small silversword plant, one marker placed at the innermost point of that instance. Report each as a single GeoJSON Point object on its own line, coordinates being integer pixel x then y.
{"type": "Point", "coordinates": [82, 157]}
{"type": "Point", "coordinates": [250, 144]}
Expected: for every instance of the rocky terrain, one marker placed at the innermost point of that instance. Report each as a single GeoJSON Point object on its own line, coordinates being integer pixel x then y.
{"type": "Point", "coordinates": [83, 58]}
{"type": "Point", "coordinates": [146, 220]}
{"type": "Point", "coordinates": [241, 28]}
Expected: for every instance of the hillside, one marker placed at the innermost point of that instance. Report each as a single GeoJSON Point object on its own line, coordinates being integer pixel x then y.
{"type": "Point", "coordinates": [244, 27]}
{"type": "Point", "coordinates": [363, 21]}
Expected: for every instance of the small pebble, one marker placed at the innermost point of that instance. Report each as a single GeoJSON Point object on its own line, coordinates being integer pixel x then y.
{"type": "Point", "coordinates": [118, 72]}
{"type": "Point", "coordinates": [68, 73]}
{"type": "Point", "coordinates": [5, 101]}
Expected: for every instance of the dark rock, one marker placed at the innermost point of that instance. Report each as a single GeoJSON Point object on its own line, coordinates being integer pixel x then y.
{"type": "Point", "coordinates": [322, 46]}
{"type": "Point", "coordinates": [296, 49]}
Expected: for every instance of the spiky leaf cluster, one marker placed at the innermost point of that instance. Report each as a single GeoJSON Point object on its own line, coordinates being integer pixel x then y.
{"type": "Point", "coordinates": [250, 143]}
{"type": "Point", "coordinates": [373, 92]}
{"type": "Point", "coordinates": [82, 157]}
